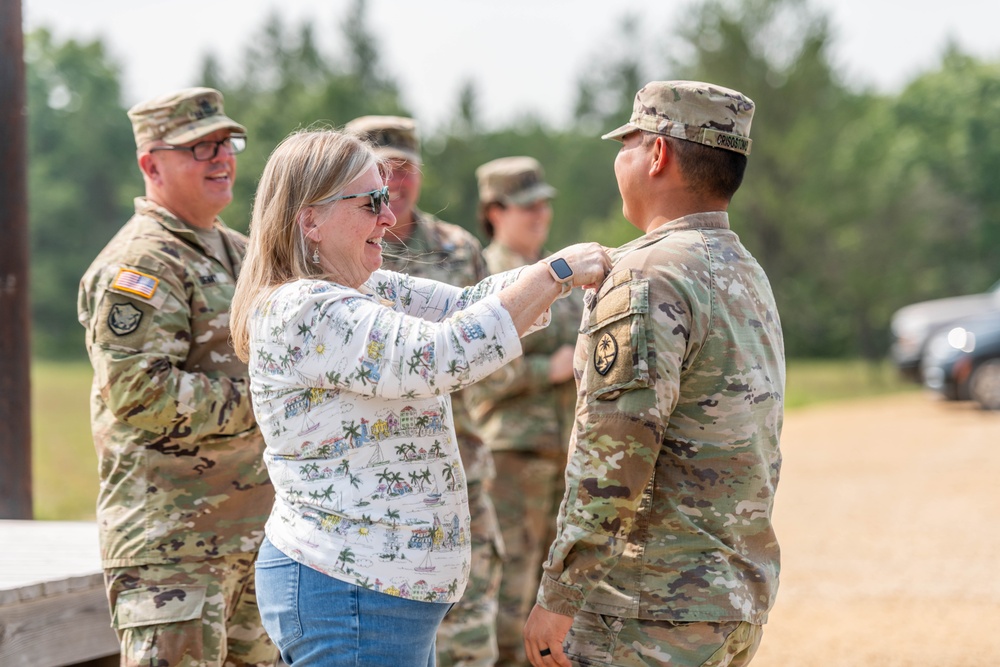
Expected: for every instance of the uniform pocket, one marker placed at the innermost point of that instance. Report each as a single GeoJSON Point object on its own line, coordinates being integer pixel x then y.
{"type": "Point", "coordinates": [618, 350]}
{"type": "Point", "coordinates": [158, 605]}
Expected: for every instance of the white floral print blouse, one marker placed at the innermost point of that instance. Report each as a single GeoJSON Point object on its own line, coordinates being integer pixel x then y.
{"type": "Point", "coordinates": [351, 391]}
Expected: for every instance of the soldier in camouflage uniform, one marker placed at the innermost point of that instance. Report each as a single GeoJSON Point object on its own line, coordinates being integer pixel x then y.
{"type": "Point", "coordinates": [665, 552]}
{"type": "Point", "coordinates": [524, 412]}
{"type": "Point", "coordinates": [184, 493]}
{"type": "Point", "coordinates": [421, 245]}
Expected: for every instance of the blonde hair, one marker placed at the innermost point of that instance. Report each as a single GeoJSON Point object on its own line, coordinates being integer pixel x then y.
{"type": "Point", "coordinates": [304, 168]}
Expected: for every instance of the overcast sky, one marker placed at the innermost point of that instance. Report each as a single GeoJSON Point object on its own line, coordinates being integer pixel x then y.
{"type": "Point", "coordinates": [523, 54]}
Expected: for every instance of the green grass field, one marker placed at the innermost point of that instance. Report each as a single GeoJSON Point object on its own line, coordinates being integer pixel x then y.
{"type": "Point", "coordinates": [65, 466]}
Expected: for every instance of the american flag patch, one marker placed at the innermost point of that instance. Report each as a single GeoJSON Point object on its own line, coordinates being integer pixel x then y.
{"type": "Point", "coordinates": [128, 280]}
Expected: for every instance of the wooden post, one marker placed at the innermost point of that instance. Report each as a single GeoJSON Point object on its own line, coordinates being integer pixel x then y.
{"type": "Point", "coordinates": [15, 315]}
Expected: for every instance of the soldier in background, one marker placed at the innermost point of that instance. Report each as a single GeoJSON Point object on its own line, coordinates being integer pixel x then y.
{"type": "Point", "coordinates": [524, 412]}
{"type": "Point", "coordinates": [183, 490]}
{"type": "Point", "coordinates": [421, 245]}
{"type": "Point", "coordinates": [665, 552]}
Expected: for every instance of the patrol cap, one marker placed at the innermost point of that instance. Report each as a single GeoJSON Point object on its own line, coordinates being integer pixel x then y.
{"type": "Point", "coordinates": [180, 117]}
{"type": "Point", "coordinates": [694, 111]}
{"type": "Point", "coordinates": [393, 136]}
{"type": "Point", "coordinates": [513, 180]}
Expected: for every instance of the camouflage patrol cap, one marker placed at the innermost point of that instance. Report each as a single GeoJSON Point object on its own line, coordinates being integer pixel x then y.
{"type": "Point", "coordinates": [694, 111]}
{"type": "Point", "coordinates": [180, 117]}
{"type": "Point", "coordinates": [513, 180]}
{"type": "Point", "coordinates": [393, 136]}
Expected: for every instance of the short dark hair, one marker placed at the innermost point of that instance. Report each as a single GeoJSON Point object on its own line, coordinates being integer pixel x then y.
{"type": "Point", "coordinates": [714, 172]}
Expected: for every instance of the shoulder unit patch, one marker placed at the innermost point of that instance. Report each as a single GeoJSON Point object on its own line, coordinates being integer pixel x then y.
{"type": "Point", "coordinates": [124, 318]}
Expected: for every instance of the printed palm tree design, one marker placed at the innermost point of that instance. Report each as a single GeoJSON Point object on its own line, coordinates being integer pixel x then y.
{"type": "Point", "coordinates": [393, 516]}
{"type": "Point", "coordinates": [449, 476]}
{"type": "Point", "coordinates": [324, 451]}
{"type": "Point", "coordinates": [305, 331]}
{"type": "Point", "coordinates": [277, 330]}
{"type": "Point", "coordinates": [352, 431]}
{"type": "Point", "coordinates": [344, 467]}
{"type": "Point", "coordinates": [332, 378]}
{"type": "Point", "coordinates": [345, 558]}
{"type": "Point", "coordinates": [354, 480]}
{"type": "Point", "coordinates": [267, 358]}
{"type": "Point", "coordinates": [422, 422]}
{"type": "Point", "coordinates": [435, 451]}
{"type": "Point", "coordinates": [425, 476]}
{"type": "Point", "coordinates": [309, 470]}
{"type": "Point", "coordinates": [407, 450]}
{"type": "Point", "coordinates": [416, 480]}
{"type": "Point", "coordinates": [396, 480]}
{"type": "Point", "coordinates": [453, 587]}
{"type": "Point", "coordinates": [364, 374]}
{"type": "Point", "coordinates": [385, 476]}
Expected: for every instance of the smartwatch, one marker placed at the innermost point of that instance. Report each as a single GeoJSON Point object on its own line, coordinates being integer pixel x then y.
{"type": "Point", "coordinates": [562, 273]}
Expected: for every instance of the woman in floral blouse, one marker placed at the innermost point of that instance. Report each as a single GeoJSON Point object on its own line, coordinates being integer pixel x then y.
{"type": "Point", "coordinates": [351, 368]}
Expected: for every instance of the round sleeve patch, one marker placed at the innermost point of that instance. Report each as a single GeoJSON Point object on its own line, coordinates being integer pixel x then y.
{"type": "Point", "coordinates": [605, 353]}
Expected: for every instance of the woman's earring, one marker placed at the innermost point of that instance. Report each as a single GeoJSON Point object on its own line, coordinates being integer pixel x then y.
{"type": "Point", "coordinates": [315, 257]}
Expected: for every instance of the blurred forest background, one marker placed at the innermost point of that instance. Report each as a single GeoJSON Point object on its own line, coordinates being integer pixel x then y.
{"type": "Point", "coordinates": [855, 203]}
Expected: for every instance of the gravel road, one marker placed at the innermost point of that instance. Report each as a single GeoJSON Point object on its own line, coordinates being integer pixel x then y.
{"type": "Point", "coordinates": [888, 515]}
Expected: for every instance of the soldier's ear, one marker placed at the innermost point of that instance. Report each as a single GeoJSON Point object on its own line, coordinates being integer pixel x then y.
{"type": "Point", "coordinates": [148, 165]}
{"type": "Point", "coordinates": [662, 154]}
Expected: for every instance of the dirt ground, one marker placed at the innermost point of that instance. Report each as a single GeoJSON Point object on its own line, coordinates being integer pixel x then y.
{"type": "Point", "coordinates": [888, 515]}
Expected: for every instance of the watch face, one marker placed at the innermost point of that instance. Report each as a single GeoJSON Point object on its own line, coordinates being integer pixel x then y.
{"type": "Point", "coordinates": [561, 267]}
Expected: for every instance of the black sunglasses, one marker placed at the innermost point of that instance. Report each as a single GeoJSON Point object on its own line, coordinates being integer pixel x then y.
{"type": "Point", "coordinates": [379, 198]}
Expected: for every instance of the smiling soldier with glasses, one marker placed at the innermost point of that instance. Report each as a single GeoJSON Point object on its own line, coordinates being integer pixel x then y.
{"type": "Point", "coordinates": [167, 384]}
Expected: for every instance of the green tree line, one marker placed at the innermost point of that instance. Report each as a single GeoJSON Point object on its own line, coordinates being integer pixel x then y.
{"type": "Point", "coordinates": [855, 202]}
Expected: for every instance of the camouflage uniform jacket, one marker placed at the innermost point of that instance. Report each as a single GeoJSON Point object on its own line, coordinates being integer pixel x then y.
{"type": "Point", "coordinates": [352, 389]}
{"type": "Point", "coordinates": [180, 457]}
{"type": "Point", "coordinates": [447, 253]}
{"type": "Point", "coordinates": [675, 458]}
{"type": "Point", "coordinates": [517, 407]}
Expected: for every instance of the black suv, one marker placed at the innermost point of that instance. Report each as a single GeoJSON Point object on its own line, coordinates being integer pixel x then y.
{"type": "Point", "coordinates": [913, 325]}
{"type": "Point", "coordinates": [962, 361]}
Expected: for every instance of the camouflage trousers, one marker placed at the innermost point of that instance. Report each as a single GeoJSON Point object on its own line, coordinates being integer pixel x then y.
{"type": "Point", "coordinates": [198, 614]}
{"type": "Point", "coordinates": [596, 639]}
{"type": "Point", "coordinates": [467, 636]}
{"type": "Point", "coordinates": [527, 493]}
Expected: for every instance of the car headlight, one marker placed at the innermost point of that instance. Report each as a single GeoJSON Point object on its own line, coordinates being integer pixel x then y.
{"type": "Point", "coordinates": [962, 339]}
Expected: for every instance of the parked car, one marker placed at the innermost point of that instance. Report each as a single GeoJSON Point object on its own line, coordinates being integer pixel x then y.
{"type": "Point", "coordinates": [913, 325]}
{"type": "Point", "coordinates": [962, 361]}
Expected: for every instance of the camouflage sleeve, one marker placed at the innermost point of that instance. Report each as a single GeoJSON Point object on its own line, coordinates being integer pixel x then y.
{"type": "Point", "coordinates": [629, 359]}
{"type": "Point", "coordinates": [138, 348]}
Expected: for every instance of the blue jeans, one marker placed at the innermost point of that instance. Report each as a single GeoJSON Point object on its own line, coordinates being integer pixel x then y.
{"type": "Point", "coordinates": [316, 620]}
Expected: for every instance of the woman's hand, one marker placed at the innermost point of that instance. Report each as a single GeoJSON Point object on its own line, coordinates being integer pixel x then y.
{"type": "Point", "coordinates": [590, 263]}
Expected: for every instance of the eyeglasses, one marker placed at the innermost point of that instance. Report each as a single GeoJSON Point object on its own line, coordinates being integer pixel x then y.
{"type": "Point", "coordinates": [379, 198]}
{"type": "Point", "coordinates": [203, 151]}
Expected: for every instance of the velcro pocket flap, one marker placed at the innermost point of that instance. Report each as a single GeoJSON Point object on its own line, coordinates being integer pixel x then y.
{"type": "Point", "coordinates": [156, 605]}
